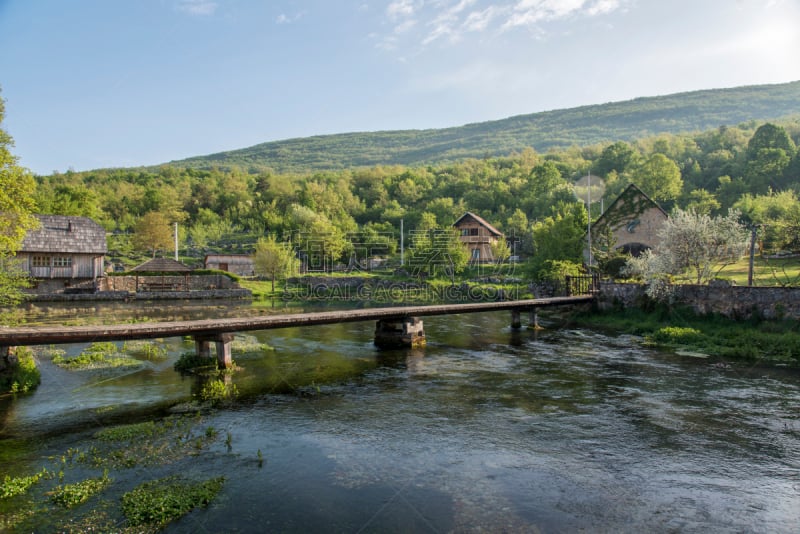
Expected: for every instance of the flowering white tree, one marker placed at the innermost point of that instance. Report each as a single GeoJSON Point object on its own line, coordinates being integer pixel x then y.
{"type": "Point", "coordinates": [693, 246]}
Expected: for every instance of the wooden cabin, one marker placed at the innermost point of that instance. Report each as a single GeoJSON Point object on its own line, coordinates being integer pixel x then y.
{"type": "Point", "coordinates": [67, 249]}
{"type": "Point", "coordinates": [241, 264]}
{"type": "Point", "coordinates": [478, 235]}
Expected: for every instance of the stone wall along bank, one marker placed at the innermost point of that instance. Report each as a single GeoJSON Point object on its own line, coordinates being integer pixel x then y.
{"type": "Point", "coordinates": [736, 302]}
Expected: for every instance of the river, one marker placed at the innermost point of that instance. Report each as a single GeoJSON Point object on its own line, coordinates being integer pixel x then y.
{"type": "Point", "coordinates": [484, 430]}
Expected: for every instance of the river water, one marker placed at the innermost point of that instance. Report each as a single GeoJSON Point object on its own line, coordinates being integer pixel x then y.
{"type": "Point", "coordinates": [484, 430]}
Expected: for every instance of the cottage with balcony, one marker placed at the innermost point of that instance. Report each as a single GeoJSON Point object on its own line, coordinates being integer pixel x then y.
{"type": "Point", "coordinates": [64, 254]}
{"type": "Point", "coordinates": [478, 235]}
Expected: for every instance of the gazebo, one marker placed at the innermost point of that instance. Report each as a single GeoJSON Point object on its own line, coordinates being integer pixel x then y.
{"type": "Point", "coordinates": [160, 274]}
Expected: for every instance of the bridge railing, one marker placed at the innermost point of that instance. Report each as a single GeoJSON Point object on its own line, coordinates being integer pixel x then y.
{"type": "Point", "coordinates": [582, 285]}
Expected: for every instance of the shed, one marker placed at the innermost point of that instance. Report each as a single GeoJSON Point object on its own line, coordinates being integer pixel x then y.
{"type": "Point", "coordinates": [162, 274]}
{"type": "Point", "coordinates": [241, 264]}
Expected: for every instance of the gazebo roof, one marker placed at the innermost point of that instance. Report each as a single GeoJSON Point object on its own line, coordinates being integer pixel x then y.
{"type": "Point", "coordinates": [162, 265]}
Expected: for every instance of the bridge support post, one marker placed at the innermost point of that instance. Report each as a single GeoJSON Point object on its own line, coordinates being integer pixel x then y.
{"type": "Point", "coordinates": [396, 333]}
{"type": "Point", "coordinates": [533, 324]}
{"type": "Point", "coordinates": [223, 344]}
{"type": "Point", "coordinates": [8, 357]}
{"type": "Point", "coordinates": [516, 323]}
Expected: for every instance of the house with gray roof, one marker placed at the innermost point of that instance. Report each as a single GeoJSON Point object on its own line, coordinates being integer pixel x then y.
{"type": "Point", "coordinates": [64, 248]}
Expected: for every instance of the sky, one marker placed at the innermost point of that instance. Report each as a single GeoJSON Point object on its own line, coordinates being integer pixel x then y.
{"type": "Point", "coordinates": [112, 83]}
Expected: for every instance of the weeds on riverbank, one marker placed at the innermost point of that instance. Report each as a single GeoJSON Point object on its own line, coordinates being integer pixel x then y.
{"type": "Point", "coordinates": [776, 341]}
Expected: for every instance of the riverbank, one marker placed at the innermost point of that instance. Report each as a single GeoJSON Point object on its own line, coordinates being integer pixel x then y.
{"type": "Point", "coordinates": [679, 329]}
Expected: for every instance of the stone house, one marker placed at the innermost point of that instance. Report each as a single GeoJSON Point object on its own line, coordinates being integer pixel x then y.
{"type": "Point", "coordinates": [630, 224]}
{"type": "Point", "coordinates": [64, 252]}
{"type": "Point", "coordinates": [241, 264]}
{"type": "Point", "coordinates": [478, 235]}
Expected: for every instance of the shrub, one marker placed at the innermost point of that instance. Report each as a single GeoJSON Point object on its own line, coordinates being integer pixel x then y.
{"type": "Point", "coordinates": [189, 361]}
{"type": "Point", "coordinates": [23, 376]}
{"type": "Point", "coordinates": [676, 335]}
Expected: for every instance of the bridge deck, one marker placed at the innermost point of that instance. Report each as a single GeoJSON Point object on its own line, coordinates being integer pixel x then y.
{"type": "Point", "coordinates": [42, 335]}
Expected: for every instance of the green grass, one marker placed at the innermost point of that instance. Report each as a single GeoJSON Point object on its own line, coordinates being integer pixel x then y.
{"type": "Point", "coordinates": [680, 329]}
{"type": "Point", "coordinates": [766, 272]}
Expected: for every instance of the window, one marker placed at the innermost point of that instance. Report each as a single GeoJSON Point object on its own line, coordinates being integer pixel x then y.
{"type": "Point", "coordinates": [473, 231]}
{"type": "Point", "coordinates": [62, 261]}
{"type": "Point", "coordinates": [40, 261]}
{"type": "Point", "coordinates": [476, 253]}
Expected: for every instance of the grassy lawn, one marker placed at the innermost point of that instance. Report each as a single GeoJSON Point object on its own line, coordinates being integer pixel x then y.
{"type": "Point", "coordinates": [774, 272]}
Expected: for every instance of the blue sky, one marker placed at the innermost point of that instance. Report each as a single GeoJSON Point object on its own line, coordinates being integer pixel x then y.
{"type": "Point", "coordinates": [114, 83]}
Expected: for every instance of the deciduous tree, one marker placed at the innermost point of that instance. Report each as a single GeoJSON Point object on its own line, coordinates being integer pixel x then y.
{"type": "Point", "coordinates": [693, 246]}
{"type": "Point", "coordinates": [153, 233]}
{"type": "Point", "coordinates": [17, 206]}
{"type": "Point", "coordinates": [274, 259]}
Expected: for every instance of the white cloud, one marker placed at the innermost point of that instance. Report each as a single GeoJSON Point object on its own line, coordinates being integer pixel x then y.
{"type": "Point", "coordinates": [400, 8]}
{"type": "Point", "coordinates": [197, 7]}
{"type": "Point", "coordinates": [478, 21]}
{"type": "Point", "coordinates": [450, 20]}
{"type": "Point", "coordinates": [283, 18]}
{"type": "Point", "coordinates": [532, 12]}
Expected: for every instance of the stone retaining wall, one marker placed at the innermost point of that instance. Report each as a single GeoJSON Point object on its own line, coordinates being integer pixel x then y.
{"type": "Point", "coordinates": [196, 282]}
{"type": "Point", "coordinates": [736, 302]}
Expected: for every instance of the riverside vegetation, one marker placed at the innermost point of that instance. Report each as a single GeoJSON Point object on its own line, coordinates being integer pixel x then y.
{"type": "Point", "coordinates": [102, 471]}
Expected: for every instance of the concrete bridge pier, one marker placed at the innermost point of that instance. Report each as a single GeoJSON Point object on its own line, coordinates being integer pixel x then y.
{"type": "Point", "coordinates": [516, 324]}
{"type": "Point", "coordinates": [397, 333]}
{"type": "Point", "coordinates": [202, 344]}
{"type": "Point", "coordinates": [533, 323]}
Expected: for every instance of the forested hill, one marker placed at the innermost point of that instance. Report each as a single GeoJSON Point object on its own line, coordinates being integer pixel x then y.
{"type": "Point", "coordinates": [586, 125]}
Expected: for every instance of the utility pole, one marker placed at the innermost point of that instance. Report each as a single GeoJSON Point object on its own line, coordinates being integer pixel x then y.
{"type": "Point", "coordinates": [752, 254]}
{"type": "Point", "coordinates": [402, 262]}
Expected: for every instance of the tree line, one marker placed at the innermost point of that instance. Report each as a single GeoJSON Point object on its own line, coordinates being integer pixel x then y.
{"type": "Point", "coordinates": [529, 196]}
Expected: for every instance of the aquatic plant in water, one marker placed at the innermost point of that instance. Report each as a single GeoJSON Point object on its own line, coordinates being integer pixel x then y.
{"type": "Point", "coordinates": [70, 495]}
{"type": "Point", "coordinates": [164, 500]}
{"type": "Point", "coordinates": [13, 486]}
{"type": "Point", "coordinates": [96, 356]}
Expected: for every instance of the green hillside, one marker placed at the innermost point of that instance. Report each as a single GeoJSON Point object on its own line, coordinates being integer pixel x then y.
{"type": "Point", "coordinates": [586, 125]}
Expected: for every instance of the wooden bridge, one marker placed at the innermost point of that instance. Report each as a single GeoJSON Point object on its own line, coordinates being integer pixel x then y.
{"type": "Point", "coordinates": [396, 326]}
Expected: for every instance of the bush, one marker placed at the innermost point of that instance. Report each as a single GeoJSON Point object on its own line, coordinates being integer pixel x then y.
{"type": "Point", "coordinates": [23, 376]}
{"type": "Point", "coordinates": [189, 361]}
{"type": "Point", "coordinates": [558, 270]}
